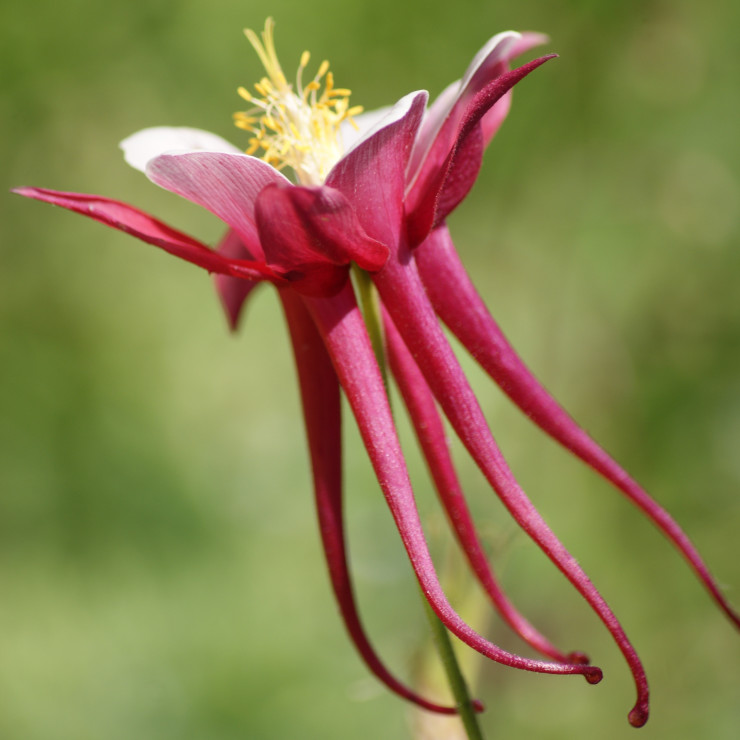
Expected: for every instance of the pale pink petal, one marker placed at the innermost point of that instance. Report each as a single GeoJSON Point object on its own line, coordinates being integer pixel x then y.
{"type": "Point", "coordinates": [490, 62]}
{"type": "Point", "coordinates": [526, 42]}
{"type": "Point", "coordinates": [492, 121]}
{"type": "Point", "coordinates": [456, 185]}
{"type": "Point", "coordinates": [145, 145]}
{"type": "Point", "coordinates": [433, 119]}
{"type": "Point", "coordinates": [437, 134]}
{"type": "Point", "coordinates": [440, 185]}
{"type": "Point", "coordinates": [364, 123]}
{"type": "Point", "coordinates": [372, 174]}
{"type": "Point", "coordinates": [225, 184]}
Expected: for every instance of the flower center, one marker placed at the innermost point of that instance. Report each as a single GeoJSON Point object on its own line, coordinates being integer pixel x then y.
{"type": "Point", "coordinates": [297, 127]}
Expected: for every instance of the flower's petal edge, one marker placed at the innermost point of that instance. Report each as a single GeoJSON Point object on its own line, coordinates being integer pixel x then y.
{"type": "Point", "coordinates": [354, 131]}
{"type": "Point", "coordinates": [226, 184]}
{"type": "Point", "coordinates": [143, 146]}
{"type": "Point", "coordinates": [372, 175]}
{"type": "Point", "coordinates": [441, 184]}
{"type": "Point", "coordinates": [148, 229]}
{"type": "Point", "coordinates": [437, 133]}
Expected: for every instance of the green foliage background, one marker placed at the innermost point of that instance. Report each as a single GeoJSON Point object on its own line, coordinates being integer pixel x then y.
{"type": "Point", "coordinates": [160, 574]}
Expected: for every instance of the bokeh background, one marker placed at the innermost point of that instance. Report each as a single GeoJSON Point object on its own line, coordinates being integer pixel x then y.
{"type": "Point", "coordinates": [160, 572]}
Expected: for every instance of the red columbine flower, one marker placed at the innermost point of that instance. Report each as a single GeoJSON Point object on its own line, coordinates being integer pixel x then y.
{"type": "Point", "coordinates": [380, 206]}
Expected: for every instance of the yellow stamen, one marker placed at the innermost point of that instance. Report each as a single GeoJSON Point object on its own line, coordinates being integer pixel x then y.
{"type": "Point", "coordinates": [297, 127]}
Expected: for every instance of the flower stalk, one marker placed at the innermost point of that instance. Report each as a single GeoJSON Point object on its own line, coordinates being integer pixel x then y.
{"type": "Point", "coordinates": [370, 306]}
{"type": "Point", "coordinates": [467, 707]}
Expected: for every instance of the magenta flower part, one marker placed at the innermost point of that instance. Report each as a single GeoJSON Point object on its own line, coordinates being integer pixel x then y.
{"type": "Point", "coordinates": [403, 294]}
{"type": "Point", "coordinates": [371, 193]}
{"type": "Point", "coordinates": [458, 304]}
{"type": "Point", "coordinates": [430, 432]}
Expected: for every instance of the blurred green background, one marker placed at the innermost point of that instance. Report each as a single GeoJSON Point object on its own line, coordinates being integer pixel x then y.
{"type": "Point", "coordinates": [160, 573]}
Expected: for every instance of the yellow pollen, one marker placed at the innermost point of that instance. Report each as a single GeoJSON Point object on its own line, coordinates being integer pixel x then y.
{"type": "Point", "coordinates": [295, 126]}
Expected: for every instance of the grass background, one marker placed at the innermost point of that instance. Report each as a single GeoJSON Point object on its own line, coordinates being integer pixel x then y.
{"type": "Point", "coordinates": [160, 573]}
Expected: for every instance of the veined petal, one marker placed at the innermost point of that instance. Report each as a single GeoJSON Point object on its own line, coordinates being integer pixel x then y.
{"type": "Point", "coordinates": [437, 133]}
{"type": "Point", "coordinates": [372, 174]}
{"type": "Point", "coordinates": [432, 438]}
{"type": "Point", "coordinates": [439, 186]}
{"type": "Point", "coordinates": [132, 221]}
{"type": "Point", "coordinates": [225, 184]}
{"type": "Point", "coordinates": [342, 329]}
{"type": "Point", "coordinates": [322, 415]}
{"type": "Point", "coordinates": [403, 294]}
{"type": "Point", "coordinates": [312, 235]}
{"type": "Point", "coordinates": [145, 145]}
{"type": "Point", "coordinates": [492, 120]}
{"type": "Point", "coordinates": [364, 123]}
{"type": "Point", "coordinates": [459, 305]}
{"type": "Point", "coordinates": [527, 40]}
{"type": "Point", "coordinates": [486, 66]}
{"type": "Point", "coordinates": [232, 291]}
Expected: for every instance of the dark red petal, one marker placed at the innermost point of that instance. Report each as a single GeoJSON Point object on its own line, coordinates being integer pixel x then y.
{"type": "Point", "coordinates": [426, 202]}
{"type": "Point", "coordinates": [403, 294]}
{"type": "Point", "coordinates": [132, 221]}
{"type": "Point", "coordinates": [373, 175]}
{"type": "Point", "coordinates": [322, 415]}
{"type": "Point", "coordinates": [462, 173]}
{"type": "Point", "coordinates": [342, 328]}
{"type": "Point", "coordinates": [494, 118]}
{"type": "Point", "coordinates": [459, 305]}
{"type": "Point", "coordinates": [433, 440]}
{"type": "Point", "coordinates": [233, 292]}
{"type": "Point", "coordinates": [312, 235]}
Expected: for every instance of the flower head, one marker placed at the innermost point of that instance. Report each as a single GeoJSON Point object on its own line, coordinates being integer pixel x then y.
{"type": "Point", "coordinates": [379, 207]}
{"type": "Point", "coordinates": [295, 126]}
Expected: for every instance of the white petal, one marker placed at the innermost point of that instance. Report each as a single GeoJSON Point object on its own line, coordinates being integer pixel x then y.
{"type": "Point", "coordinates": [493, 52]}
{"type": "Point", "coordinates": [226, 183]}
{"type": "Point", "coordinates": [365, 122]}
{"type": "Point", "coordinates": [145, 145]}
{"type": "Point", "coordinates": [382, 117]}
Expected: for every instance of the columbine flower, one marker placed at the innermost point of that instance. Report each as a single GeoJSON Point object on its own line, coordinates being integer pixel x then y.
{"type": "Point", "coordinates": [380, 205]}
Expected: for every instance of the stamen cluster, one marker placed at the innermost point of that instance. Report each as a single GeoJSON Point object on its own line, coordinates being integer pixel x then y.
{"type": "Point", "coordinates": [296, 127]}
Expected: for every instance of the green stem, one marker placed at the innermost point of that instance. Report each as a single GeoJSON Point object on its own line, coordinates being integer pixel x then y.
{"type": "Point", "coordinates": [455, 678]}
{"type": "Point", "coordinates": [370, 304]}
